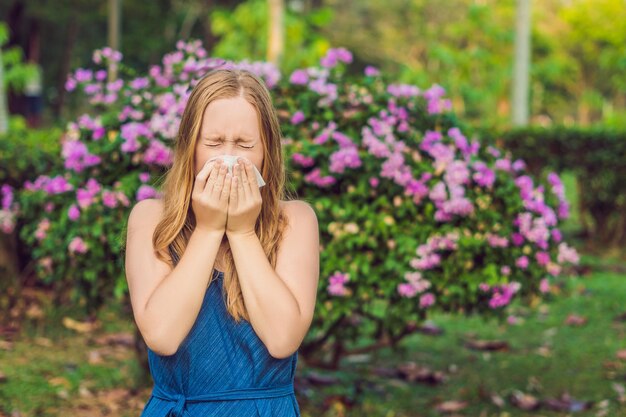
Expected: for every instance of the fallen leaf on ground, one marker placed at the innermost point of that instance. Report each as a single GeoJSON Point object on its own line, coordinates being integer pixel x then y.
{"type": "Point", "coordinates": [524, 401]}
{"type": "Point", "coordinates": [43, 341]}
{"type": "Point", "coordinates": [544, 351]}
{"type": "Point", "coordinates": [487, 344]}
{"type": "Point", "coordinates": [451, 406]}
{"type": "Point", "coordinates": [575, 320]}
{"type": "Point", "coordinates": [412, 372]}
{"type": "Point", "coordinates": [5, 345]}
{"type": "Point", "coordinates": [566, 404]}
{"type": "Point", "coordinates": [80, 326]}
{"type": "Point", "coordinates": [59, 381]}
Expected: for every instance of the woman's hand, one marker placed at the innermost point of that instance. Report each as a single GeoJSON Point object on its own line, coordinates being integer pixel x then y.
{"type": "Point", "coordinates": [245, 200]}
{"type": "Point", "coordinates": [209, 198]}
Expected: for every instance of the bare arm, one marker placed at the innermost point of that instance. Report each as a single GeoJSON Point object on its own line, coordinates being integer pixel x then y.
{"type": "Point", "coordinates": [281, 301]}
{"type": "Point", "coordinates": [166, 301]}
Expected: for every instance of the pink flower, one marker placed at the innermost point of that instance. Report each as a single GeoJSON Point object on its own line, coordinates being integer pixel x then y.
{"type": "Point", "coordinates": [299, 77]}
{"type": "Point", "coordinates": [334, 56]}
{"type": "Point", "coordinates": [336, 284]}
{"type": "Point", "coordinates": [371, 71]}
{"type": "Point", "coordinates": [77, 245]}
{"type": "Point", "coordinates": [300, 159]}
{"type": "Point", "coordinates": [109, 199]}
{"type": "Point", "coordinates": [145, 191]}
{"type": "Point", "coordinates": [297, 117]}
{"type": "Point", "coordinates": [542, 258]}
{"type": "Point", "coordinates": [522, 262]}
{"type": "Point", "coordinates": [426, 300]}
{"type": "Point", "coordinates": [73, 212]}
{"type": "Point", "coordinates": [42, 229]}
{"type": "Point", "coordinates": [405, 289]}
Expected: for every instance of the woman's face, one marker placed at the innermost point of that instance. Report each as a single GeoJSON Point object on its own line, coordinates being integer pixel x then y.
{"type": "Point", "coordinates": [229, 127]}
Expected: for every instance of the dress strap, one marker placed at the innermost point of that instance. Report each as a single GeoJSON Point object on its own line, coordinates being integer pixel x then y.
{"type": "Point", "coordinates": [179, 400]}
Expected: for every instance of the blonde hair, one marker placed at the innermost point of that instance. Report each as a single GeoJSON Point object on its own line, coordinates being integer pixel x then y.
{"type": "Point", "coordinates": [178, 221]}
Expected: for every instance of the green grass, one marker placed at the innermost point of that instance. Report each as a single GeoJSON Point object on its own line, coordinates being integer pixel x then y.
{"type": "Point", "coordinates": [578, 363]}
{"type": "Point", "coordinates": [575, 364]}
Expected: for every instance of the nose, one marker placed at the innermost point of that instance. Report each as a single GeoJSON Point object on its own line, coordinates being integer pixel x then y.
{"type": "Point", "coordinates": [230, 148]}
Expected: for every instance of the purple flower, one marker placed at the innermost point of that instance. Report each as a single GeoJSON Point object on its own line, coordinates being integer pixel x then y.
{"type": "Point", "coordinates": [299, 77]}
{"type": "Point", "coordinates": [77, 245]}
{"type": "Point", "coordinates": [407, 290]}
{"type": "Point", "coordinates": [73, 212]}
{"type": "Point", "coordinates": [146, 191]}
{"type": "Point", "coordinates": [336, 284]}
{"type": "Point", "coordinates": [426, 300]}
{"type": "Point", "coordinates": [297, 117]}
{"type": "Point", "coordinates": [543, 258]}
{"type": "Point", "coordinates": [77, 157]}
{"type": "Point", "coordinates": [334, 56]}
{"type": "Point", "coordinates": [83, 75]}
{"type": "Point", "coordinates": [371, 71]}
{"type": "Point", "coordinates": [522, 262]}
{"type": "Point", "coordinates": [109, 199]}
{"type": "Point", "coordinates": [403, 90]}
{"type": "Point", "coordinates": [305, 161]}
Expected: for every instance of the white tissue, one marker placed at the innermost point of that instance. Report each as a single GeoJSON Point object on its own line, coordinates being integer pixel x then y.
{"type": "Point", "coordinates": [231, 160]}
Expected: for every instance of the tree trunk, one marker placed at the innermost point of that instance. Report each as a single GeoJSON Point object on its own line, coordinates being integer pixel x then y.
{"type": "Point", "coordinates": [72, 34]}
{"type": "Point", "coordinates": [521, 64]}
{"type": "Point", "coordinates": [276, 38]}
{"type": "Point", "coordinates": [4, 112]}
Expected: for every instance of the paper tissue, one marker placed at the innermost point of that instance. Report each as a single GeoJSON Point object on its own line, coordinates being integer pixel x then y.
{"type": "Point", "coordinates": [230, 160]}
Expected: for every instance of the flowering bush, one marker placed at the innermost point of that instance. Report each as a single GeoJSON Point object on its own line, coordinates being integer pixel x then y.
{"type": "Point", "coordinates": [413, 215]}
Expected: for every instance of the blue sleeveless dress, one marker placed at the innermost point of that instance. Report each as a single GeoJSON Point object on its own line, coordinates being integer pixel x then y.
{"type": "Point", "coordinates": [221, 369]}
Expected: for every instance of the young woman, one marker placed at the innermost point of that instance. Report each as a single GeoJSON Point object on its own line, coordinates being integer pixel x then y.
{"type": "Point", "coordinates": [230, 348]}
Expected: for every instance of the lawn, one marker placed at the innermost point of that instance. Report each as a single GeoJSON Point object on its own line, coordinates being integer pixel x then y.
{"type": "Point", "coordinates": [567, 347]}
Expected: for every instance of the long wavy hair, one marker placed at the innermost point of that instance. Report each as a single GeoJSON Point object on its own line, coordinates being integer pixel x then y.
{"type": "Point", "coordinates": [178, 221]}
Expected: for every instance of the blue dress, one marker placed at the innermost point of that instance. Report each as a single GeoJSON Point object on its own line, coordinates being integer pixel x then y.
{"type": "Point", "coordinates": [221, 369]}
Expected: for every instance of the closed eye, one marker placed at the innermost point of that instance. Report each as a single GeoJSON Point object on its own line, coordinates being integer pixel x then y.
{"type": "Point", "coordinates": [247, 147]}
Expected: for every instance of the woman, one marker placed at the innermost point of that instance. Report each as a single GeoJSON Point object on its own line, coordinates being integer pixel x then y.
{"type": "Point", "coordinates": [227, 349]}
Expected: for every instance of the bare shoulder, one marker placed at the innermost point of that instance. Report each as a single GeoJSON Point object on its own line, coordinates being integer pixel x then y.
{"type": "Point", "coordinates": [147, 211]}
{"type": "Point", "coordinates": [299, 211]}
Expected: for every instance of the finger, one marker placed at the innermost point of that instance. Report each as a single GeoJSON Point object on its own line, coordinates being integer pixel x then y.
{"type": "Point", "coordinates": [248, 174]}
{"type": "Point", "coordinates": [234, 197]}
{"type": "Point", "coordinates": [227, 186]}
{"type": "Point", "coordinates": [218, 186]}
{"type": "Point", "coordinates": [202, 176]}
{"type": "Point", "coordinates": [241, 195]}
{"type": "Point", "coordinates": [254, 183]}
{"type": "Point", "coordinates": [210, 183]}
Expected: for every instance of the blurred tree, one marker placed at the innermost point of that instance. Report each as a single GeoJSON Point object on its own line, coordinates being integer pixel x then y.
{"type": "Point", "coordinates": [276, 43]}
{"type": "Point", "coordinates": [578, 49]}
{"type": "Point", "coordinates": [244, 33]}
{"type": "Point", "coordinates": [595, 37]}
{"type": "Point", "coordinates": [521, 63]}
{"type": "Point", "coordinates": [14, 74]}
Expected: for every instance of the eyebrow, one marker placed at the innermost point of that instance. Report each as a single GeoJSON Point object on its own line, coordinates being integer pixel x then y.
{"type": "Point", "coordinates": [219, 136]}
